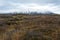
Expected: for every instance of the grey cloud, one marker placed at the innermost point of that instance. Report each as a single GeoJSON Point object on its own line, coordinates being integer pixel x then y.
{"type": "Point", "coordinates": [37, 1]}
{"type": "Point", "coordinates": [43, 2]}
{"type": "Point", "coordinates": [12, 4]}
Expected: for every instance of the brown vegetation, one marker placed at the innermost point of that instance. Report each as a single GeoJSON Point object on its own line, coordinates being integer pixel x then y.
{"type": "Point", "coordinates": [29, 27]}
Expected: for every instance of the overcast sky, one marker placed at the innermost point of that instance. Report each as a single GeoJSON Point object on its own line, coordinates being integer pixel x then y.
{"type": "Point", "coordinates": [29, 5]}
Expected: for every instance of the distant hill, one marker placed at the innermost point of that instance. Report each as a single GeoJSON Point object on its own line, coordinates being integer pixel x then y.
{"type": "Point", "coordinates": [37, 13]}
{"type": "Point", "coordinates": [32, 13]}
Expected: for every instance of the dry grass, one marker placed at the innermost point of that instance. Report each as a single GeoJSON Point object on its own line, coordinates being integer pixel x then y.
{"type": "Point", "coordinates": [29, 27]}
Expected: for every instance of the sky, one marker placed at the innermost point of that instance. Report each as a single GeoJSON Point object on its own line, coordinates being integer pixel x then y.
{"type": "Point", "coordinates": [8, 6]}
